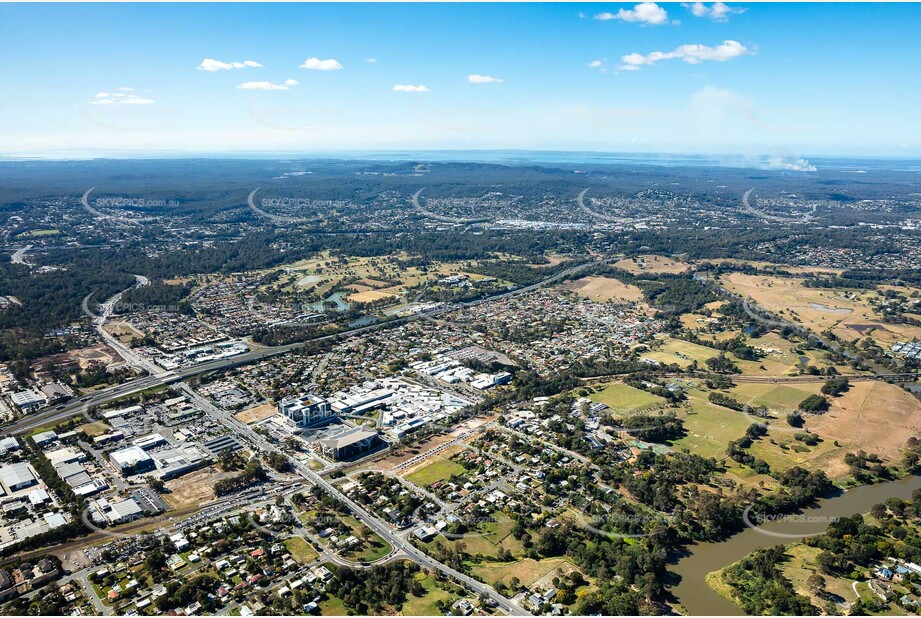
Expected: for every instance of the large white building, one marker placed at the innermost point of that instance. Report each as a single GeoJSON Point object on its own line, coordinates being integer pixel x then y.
{"type": "Point", "coordinates": [132, 460]}
{"type": "Point", "coordinates": [27, 400]}
{"type": "Point", "coordinates": [17, 476]}
{"type": "Point", "coordinates": [305, 410]}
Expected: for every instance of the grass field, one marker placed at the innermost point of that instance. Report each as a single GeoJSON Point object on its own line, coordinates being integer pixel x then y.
{"type": "Point", "coordinates": [94, 429]}
{"type": "Point", "coordinates": [779, 398]}
{"type": "Point", "coordinates": [301, 550]}
{"type": "Point", "coordinates": [489, 537]}
{"type": "Point", "coordinates": [426, 605]}
{"type": "Point", "coordinates": [802, 564]}
{"type": "Point", "coordinates": [840, 310]}
{"type": "Point", "coordinates": [872, 416]}
{"type": "Point", "coordinates": [627, 399]}
{"type": "Point", "coordinates": [651, 264]}
{"type": "Point", "coordinates": [527, 570]}
{"type": "Point", "coordinates": [680, 352]}
{"type": "Point", "coordinates": [39, 233]}
{"type": "Point", "coordinates": [438, 470]}
{"type": "Point", "coordinates": [333, 606]}
{"type": "Point", "coordinates": [605, 289]}
{"type": "Point", "coordinates": [370, 278]}
{"type": "Point", "coordinates": [709, 427]}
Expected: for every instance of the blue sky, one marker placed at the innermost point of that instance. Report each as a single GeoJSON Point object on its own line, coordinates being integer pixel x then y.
{"type": "Point", "coordinates": [782, 80]}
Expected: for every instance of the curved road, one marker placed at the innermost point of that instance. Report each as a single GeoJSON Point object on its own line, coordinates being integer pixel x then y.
{"type": "Point", "coordinates": [277, 218]}
{"type": "Point", "coordinates": [431, 215]}
{"type": "Point", "coordinates": [590, 212]}
{"type": "Point", "coordinates": [748, 208]}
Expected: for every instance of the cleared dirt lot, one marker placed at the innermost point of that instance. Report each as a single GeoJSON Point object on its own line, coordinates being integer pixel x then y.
{"type": "Point", "coordinates": [194, 489]}
{"type": "Point", "coordinates": [604, 289]}
{"type": "Point", "coordinates": [256, 414]}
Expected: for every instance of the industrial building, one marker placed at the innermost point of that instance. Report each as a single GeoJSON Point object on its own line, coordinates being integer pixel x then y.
{"type": "Point", "coordinates": [28, 400]}
{"type": "Point", "coordinates": [132, 460]}
{"type": "Point", "coordinates": [178, 461]}
{"type": "Point", "coordinates": [16, 477]}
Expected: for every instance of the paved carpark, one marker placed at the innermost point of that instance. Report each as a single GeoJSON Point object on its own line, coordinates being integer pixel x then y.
{"type": "Point", "coordinates": [147, 499]}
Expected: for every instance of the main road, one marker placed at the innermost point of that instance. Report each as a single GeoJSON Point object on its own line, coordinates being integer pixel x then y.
{"type": "Point", "coordinates": [399, 544]}
{"type": "Point", "coordinates": [132, 387]}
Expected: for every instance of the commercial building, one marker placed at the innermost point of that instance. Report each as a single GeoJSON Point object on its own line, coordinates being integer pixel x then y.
{"type": "Point", "coordinates": [44, 438]}
{"type": "Point", "coordinates": [132, 460]}
{"type": "Point", "coordinates": [350, 444]}
{"type": "Point", "coordinates": [305, 411]}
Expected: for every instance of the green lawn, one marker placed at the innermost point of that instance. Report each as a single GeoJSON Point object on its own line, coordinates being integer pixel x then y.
{"type": "Point", "coordinates": [426, 604]}
{"type": "Point", "coordinates": [488, 538]}
{"type": "Point", "coordinates": [681, 352]}
{"type": "Point", "coordinates": [439, 470]}
{"type": "Point", "coordinates": [710, 427]}
{"type": "Point", "coordinates": [374, 549]}
{"type": "Point", "coordinates": [333, 606]}
{"type": "Point", "coordinates": [625, 398]}
{"type": "Point", "coordinates": [779, 398]}
{"type": "Point", "coordinates": [301, 550]}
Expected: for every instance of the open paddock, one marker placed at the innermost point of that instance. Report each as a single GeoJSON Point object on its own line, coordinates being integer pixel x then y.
{"type": "Point", "coordinates": [605, 289]}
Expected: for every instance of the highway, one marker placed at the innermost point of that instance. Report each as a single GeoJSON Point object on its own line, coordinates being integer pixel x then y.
{"type": "Point", "coordinates": [102, 396]}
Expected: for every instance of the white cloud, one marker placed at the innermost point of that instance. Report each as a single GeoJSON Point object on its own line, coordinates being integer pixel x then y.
{"type": "Point", "coordinates": [594, 64]}
{"type": "Point", "coordinates": [267, 85]}
{"type": "Point", "coordinates": [718, 11]}
{"type": "Point", "coordinates": [316, 64]}
{"type": "Point", "coordinates": [645, 13]}
{"type": "Point", "coordinates": [125, 97]}
{"type": "Point", "coordinates": [210, 64]}
{"type": "Point", "coordinates": [483, 79]}
{"type": "Point", "coordinates": [371, 60]}
{"type": "Point", "coordinates": [410, 88]}
{"type": "Point", "coordinates": [692, 54]}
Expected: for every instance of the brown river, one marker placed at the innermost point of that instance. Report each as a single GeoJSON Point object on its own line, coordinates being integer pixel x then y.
{"type": "Point", "coordinates": [700, 600]}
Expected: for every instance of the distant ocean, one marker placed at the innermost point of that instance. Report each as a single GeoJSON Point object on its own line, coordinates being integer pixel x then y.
{"type": "Point", "coordinates": [855, 165]}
